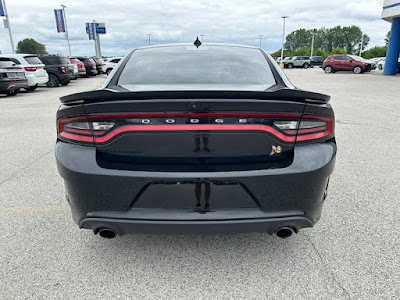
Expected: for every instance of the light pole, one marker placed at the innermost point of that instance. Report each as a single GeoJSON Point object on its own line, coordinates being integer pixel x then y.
{"type": "Point", "coordinates": [66, 28]}
{"type": "Point", "coordinates": [260, 35]}
{"type": "Point", "coordinates": [8, 25]}
{"type": "Point", "coordinates": [202, 36]}
{"type": "Point", "coordinates": [312, 43]}
{"type": "Point", "coordinates": [361, 44]}
{"type": "Point", "coordinates": [149, 34]}
{"type": "Point", "coordinates": [283, 39]}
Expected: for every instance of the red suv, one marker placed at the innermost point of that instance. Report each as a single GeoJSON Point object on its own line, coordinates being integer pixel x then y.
{"type": "Point", "coordinates": [346, 63]}
{"type": "Point", "coordinates": [80, 65]}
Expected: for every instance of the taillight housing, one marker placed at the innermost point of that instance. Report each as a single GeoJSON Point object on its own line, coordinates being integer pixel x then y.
{"type": "Point", "coordinates": [90, 64]}
{"type": "Point", "coordinates": [63, 69]}
{"type": "Point", "coordinates": [309, 128]}
{"type": "Point", "coordinates": [30, 69]}
{"type": "Point", "coordinates": [79, 129]}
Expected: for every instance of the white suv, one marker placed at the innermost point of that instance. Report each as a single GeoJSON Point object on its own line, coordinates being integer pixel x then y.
{"type": "Point", "coordinates": [109, 64]}
{"type": "Point", "coordinates": [33, 67]}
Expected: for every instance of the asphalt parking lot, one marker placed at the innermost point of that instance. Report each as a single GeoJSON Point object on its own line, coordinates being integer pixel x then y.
{"type": "Point", "coordinates": [352, 253]}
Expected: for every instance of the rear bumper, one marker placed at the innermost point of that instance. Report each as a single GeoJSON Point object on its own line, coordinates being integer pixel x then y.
{"type": "Point", "coordinates": [126, 226]}
{"type": "Point", "coordinates": [34, 80]}
{"type": "Point", "coordinates": [12, 84]}
{"type": "Point", "coordinates": [103, 198]}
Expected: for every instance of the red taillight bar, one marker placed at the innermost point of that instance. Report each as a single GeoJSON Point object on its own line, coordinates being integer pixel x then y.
{"type": "Point", "coordinates": [133, 128]}
{"type": "Point", "coordinates": [288, 136]}
{"type": "Point", "coordinates": [30, 69]}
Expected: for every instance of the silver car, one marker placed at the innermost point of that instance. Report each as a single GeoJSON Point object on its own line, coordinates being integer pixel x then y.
{"type": "Point", "coordinates": [298, 62]}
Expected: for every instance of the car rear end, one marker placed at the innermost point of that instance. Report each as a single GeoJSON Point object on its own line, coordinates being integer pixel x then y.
{"type": "Point", "coordinates": [35, 71]}
{"type": "Point", "coordinates": [228, 147]}
{"type": "Point", "coordinates": [90, 65]}
{"type": "Point", "coordinates": [99, 64]}
{"type": "Point", "coordinates": [12, 77]}
{"type": "Point", "coordinates": [80, 65]}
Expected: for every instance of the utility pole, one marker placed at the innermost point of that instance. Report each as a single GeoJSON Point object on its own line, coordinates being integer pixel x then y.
{"type": "Point", "coordinates": [149, 34]}
{"type": "Point", "coordinates": [260, 35]}
{"type": "Point", "coordinates": [8, 25]}
{"type": "Point", "coordinates": [312, 43]}
{"type": "Point", "coordinates": [283, 38]}
{"type": "Point", "coordinates": [66, 28]}
{"type": "Point", "coordinates": [202, 36]}
{"type": "Point", "coordinates": [361, 44]}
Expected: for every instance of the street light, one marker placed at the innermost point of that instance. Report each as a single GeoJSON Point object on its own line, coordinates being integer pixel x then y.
{"type": "Point", "coordinates": [66, 28]}
{"type": "Point", "coordinates": [149, 34]}
{"type": "Point", "coordinates": [361, 44]}
{"type": "Point", "coordinates": [202, 36]}
{"type": "Point", "coordinates": [260, 35]}
{"type": "Point", "coordinates": [283, 38]}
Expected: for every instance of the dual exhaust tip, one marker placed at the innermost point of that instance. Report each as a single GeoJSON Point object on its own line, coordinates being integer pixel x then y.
{"type": "Point", "coordinates": [283, 232]}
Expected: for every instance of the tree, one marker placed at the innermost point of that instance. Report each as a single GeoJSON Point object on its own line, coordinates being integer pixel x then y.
{"type": "Point", "coordinates": [298, 39]}
{"type": "Point", "coordinates": [387, 38]}
{"type": "Point", "coordinates": [327, 39]}
{"type": "Point", "coordinates": [31, 46]}
{"type": "Point", "coordinates": [375, 52]}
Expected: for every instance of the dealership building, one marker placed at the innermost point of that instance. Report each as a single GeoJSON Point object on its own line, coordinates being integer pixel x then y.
{"type": "Point", "coordinates": [391, 13]}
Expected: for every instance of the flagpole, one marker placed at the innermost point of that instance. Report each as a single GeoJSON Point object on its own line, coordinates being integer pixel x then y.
{"type": "Point", "coordinates": [8, 25]}
{"type": "Point", "coordinates": [66, 28]}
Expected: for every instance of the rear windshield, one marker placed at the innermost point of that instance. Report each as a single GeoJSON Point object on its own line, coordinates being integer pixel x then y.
{"type": "Point", "coordinates": [5, 62]}
{"type": "Point", "coordinates": [65, 60]}
{"type": "Point", "coordinates": [91, 60]}
{"type": "Point", "coordinates": [188, 67]}
{"type": "Point", "coordinates": [33, 60]}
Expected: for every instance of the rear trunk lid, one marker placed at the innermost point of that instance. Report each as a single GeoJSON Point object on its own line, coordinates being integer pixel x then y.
{"type": "Point", "coordinates": [212, 133]}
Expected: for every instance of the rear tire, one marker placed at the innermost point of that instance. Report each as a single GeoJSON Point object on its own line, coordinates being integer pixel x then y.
{"type": "Point", "coordinates": [13, 92]}
{"type": "Point", "coordinates": [31, 88]}
{"type": "Point", "coordinates": [53, 81]}
{"type": "Point", "coordinates": [357, 70]}
{"type": "Point", "coordinates": [328, 69]}
{"type": "Point", "coordinates": [108, 71]}
{"type": "Point", "coordinates": [290, 66]}
{"type": "Point", "coordinates": [306, 66]}
{"type": "Point", "coordinates": [380, 67]}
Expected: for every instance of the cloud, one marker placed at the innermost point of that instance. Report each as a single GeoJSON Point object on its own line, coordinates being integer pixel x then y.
{"type": "Point", "coordinates": [129, 22]}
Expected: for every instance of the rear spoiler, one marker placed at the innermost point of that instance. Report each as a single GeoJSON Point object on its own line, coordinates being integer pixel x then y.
{"type": "Point", "coordinates": [97, 96]}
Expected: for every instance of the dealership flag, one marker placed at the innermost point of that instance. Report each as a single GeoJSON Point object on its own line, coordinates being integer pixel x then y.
{"type": "Point", "coordinates": [59, 20]}
{"type": "Point", "coordinates": [1, 9]}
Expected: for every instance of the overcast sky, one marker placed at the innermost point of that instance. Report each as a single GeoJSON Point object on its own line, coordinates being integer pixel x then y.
{"type": "Point", "coordinates": [221, 21]}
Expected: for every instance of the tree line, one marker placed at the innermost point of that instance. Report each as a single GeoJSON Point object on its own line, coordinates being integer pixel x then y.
{"type": "Point", "coordinates": [328, 41]}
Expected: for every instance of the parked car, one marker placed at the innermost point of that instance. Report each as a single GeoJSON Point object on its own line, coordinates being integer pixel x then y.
{"type": "Point", "coordinates": [285, 60]}
{"type": "Point", "coordinates": [33, 67]}
{"type": "Point", "coordinates": [298, 62]}
{"type": "Point", "coordinates": [99, 64]}
{"type": "Point", "coordinates": [163, 147]}
{"type": "Point", "coordinates": [80, 66]}
{"type": "Point", "coordinates": [381, 63]}
{"type": "Point", "coordinates": [316, 61]}
{"type": "Point", "coordinates": [59, 68]}
{"type": "Point", "coordinates": [344, 62]}
{"type": "Point", "coordinates": [90, 65]}
{"type": "Point", "coordinates": [12, 77]}
{"type": "Point", "coordinates": [109, 64]}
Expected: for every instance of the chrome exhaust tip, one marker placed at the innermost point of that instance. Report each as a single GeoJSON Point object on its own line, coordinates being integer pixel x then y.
{"type": "Point", "coordinates": [107, 233]}
{"type": "Point", "coordinates": [284, 232]}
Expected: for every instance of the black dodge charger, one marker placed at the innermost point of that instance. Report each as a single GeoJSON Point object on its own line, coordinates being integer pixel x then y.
{"type": "Point", "coordinates": [190, 138]}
